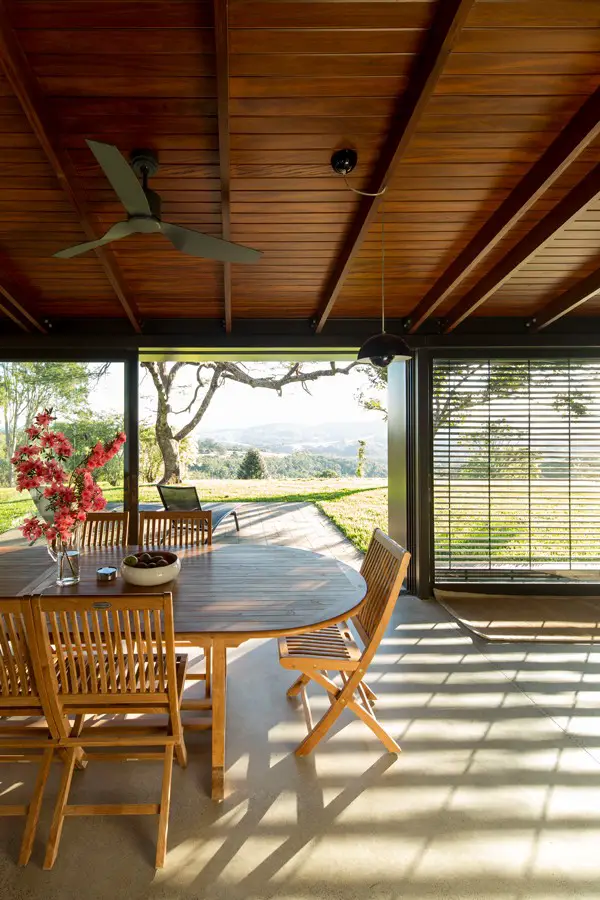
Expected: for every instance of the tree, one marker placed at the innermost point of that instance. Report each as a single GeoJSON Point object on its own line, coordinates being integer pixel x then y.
{"type": "Point", "coordinates": [150, 455]}
{"type": "Point", "coordinates": [210, 377]}
{"type": "Point", "coordinates": [372, 395]}
{"type": "Point", "coordinates": [361, 459]}
{"type": "Point", "coordinates": [253, 466]}
{"type": "Point", "coordinates": [498, 451]}
{"type": "Point", "coordinates": [458, 388]}
{"type": "Point", "coordinates": [84, 433]}
{"type": "Point", "coordinates": [28, 387]}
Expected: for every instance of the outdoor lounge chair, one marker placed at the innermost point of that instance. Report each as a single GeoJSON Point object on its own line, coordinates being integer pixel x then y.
{"type": "Point", "coordinates": [184, 498]}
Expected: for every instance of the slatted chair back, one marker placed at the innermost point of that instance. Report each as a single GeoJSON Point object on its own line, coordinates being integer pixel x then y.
{"type": "Point", "coordinates": [95, 652]}
{"type": "Point", "coordinates": [178, 497]}
{"type": "Point", "coordinates": [105, 529]}
{"type": "Point", "coordinates": [18, 687]}
{"type": "Point", "coordinates": [384, 569]}
{"type": "Point", "coordinates": [23, 704]}
{"type": "Point", "coordinates": [111, 657]}
{"type": "Point", "coordinates": [181, 529]}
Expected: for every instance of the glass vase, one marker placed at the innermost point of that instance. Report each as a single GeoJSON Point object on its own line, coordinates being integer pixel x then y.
{"type": "Point", "coordinates": [66, 555]}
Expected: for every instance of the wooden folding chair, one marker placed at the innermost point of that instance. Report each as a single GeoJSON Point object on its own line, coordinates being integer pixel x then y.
{"type": "Point", "coordinates": [169, 528]}
{"type": "Point", "coordinates": [105, 529]}
{"type": "Point", "coordinates": [111, 657]}
{"type": "Point", "coordinates": [181, 529]}
{"type": "Point", "coordinates": [333, 648]}
{"type": "Point", "coordinates": [20, 699]}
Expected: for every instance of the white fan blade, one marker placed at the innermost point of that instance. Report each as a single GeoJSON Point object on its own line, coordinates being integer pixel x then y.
{"type": "Point", "coordinates": [197, 244]}
{"type": "Point", "coordinates": [116, 233]}
{"type": "Point", "coordinates": [122, 178]}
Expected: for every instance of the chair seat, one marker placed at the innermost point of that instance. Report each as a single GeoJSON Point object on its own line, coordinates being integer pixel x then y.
{"type": "Point", "coordinates": [151, 678]}
{"type": "Point", "coordinates": [219, 512]}
{"type": "Point", "coordinates": [332, 647]}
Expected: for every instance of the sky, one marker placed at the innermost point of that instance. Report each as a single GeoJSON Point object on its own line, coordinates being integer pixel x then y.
{"type": "Point", "coordinates": [237, 406]}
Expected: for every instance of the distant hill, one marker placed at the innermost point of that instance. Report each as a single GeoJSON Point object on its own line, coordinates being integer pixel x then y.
{"type": "Point", "coordinates": [330, 438]}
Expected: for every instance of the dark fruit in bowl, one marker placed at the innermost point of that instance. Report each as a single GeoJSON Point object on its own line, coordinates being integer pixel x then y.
{"type": "Point", "coordinates": [154, 559]}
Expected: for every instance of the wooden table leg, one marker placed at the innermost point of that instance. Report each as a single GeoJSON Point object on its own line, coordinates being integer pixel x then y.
{"type": "Point", "coordinates": [219, 702]}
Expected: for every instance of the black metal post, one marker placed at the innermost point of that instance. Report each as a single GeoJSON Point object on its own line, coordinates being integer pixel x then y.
{"type": "Point", "coordinates": [132, 445]}
{"type": "Point", "coordinates": [397, 402]}
{"type": "Point", "coordinates": [420, 475]}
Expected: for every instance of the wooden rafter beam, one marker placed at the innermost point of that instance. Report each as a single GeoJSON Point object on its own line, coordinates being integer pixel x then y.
{"type": "Point", "coordinates": [449, 19]}
{"type": "Point", "coordinates": [26, 89]}
{"type": "Point", "coordinates": [9, 311]}
{"type": "Point", "coordinates": [583, 128]}
{"type": "Point", "coordinates": [543, 231]}
{"type": "Point", "coordinates": [221, 14]}
{"type": "Point", "coordinates": [569, 300]}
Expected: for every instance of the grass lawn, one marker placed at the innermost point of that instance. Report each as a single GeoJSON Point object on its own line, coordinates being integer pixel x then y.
{"type": "Point", "coordinates": [357, 514]}
{"type": "Point", "coordinates": [354, 505]}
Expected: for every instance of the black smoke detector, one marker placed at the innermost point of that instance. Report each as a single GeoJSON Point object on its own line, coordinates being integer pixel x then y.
{"type": "Point", "coordinates": [344, 161]}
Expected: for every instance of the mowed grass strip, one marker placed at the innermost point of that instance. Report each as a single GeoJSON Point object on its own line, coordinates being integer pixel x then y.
{"type": "Point", "coordinates": [357, 514]}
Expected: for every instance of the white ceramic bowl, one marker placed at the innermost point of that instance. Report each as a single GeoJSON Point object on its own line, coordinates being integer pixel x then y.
{"type": "Point", "coordinates": [150, 577]}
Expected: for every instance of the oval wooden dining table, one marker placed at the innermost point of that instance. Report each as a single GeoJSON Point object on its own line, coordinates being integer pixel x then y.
{"type": "Point", "coordinates": [228, 594]}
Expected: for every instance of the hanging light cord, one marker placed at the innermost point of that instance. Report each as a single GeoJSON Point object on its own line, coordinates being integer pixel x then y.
{"type": "Point", "coordinates": [364, 193]}
{"type": "Point", "coordinates": [382, 270]}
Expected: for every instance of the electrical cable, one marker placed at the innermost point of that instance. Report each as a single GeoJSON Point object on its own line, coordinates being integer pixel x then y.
{"type": "Point", "coordinates": [364, 193]}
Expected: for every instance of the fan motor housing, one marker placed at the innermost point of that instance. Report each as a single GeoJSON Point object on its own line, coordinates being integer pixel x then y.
{"type": "Point", "coordinates": [144, 162]}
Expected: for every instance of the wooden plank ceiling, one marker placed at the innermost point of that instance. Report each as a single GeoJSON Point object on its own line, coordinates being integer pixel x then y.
{"type": "Point", "coordinates": [245, 117]}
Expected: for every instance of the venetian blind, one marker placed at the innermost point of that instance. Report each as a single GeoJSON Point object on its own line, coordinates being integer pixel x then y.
{"type": "Point", "coordinates": [516, 468]}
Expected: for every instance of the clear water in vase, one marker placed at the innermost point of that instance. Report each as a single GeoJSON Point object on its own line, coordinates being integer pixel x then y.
{"type": "Point", "coordinates": [66, 554]}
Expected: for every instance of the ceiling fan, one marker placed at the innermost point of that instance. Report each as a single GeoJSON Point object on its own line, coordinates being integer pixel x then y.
{"type": "Point", "coordinates": [143, 211]}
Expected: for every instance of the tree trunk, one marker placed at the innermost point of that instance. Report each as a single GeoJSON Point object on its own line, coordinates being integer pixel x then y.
{"type": "Point", "coordinates": [169, 447]}
{"type": "Point", "coordinates": [9, 452]}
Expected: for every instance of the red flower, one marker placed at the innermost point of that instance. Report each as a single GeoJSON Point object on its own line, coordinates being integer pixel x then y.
{"type": "Point", "coordinates": [44, 418]}
{"type": "Point", "coordinates": [39, 465]}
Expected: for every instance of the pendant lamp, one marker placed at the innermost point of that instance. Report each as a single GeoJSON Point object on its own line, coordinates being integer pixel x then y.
{"type": "Point", "coordinates": [382, 348]}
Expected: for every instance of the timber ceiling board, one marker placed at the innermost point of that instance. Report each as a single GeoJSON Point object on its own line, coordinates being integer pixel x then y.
{"type": "Point", "coordinates": [136, 74]}
{"type": "Point", "coordinates": [517, 75]}
{"type": "Point", "coordinates": [36, 219]}
{"type": "Point", "coordinates": [570, 255]}
{"type": "Point", "coordinates": [305, 78]}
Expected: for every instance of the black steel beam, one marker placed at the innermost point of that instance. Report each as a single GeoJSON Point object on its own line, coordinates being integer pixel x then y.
{"type": "Point", "coordinates": [109, 340]}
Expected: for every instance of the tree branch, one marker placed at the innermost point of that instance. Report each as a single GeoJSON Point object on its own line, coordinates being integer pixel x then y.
{"type": "Point", "coordinates": [173, 372]}
{"type": "Point", "coordinates": [213, 386]}
{"type": "Point", "coordinates": [155, 375]}
{"type": "Point", "coordinates": [294, 375]}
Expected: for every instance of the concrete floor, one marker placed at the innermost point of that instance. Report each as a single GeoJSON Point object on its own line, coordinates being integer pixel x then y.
{"type": "Point", "coordinates": [496, 794]}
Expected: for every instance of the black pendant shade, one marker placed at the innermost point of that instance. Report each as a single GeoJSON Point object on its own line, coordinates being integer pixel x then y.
{"type": "Point", "coordinates": [382, 348]}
